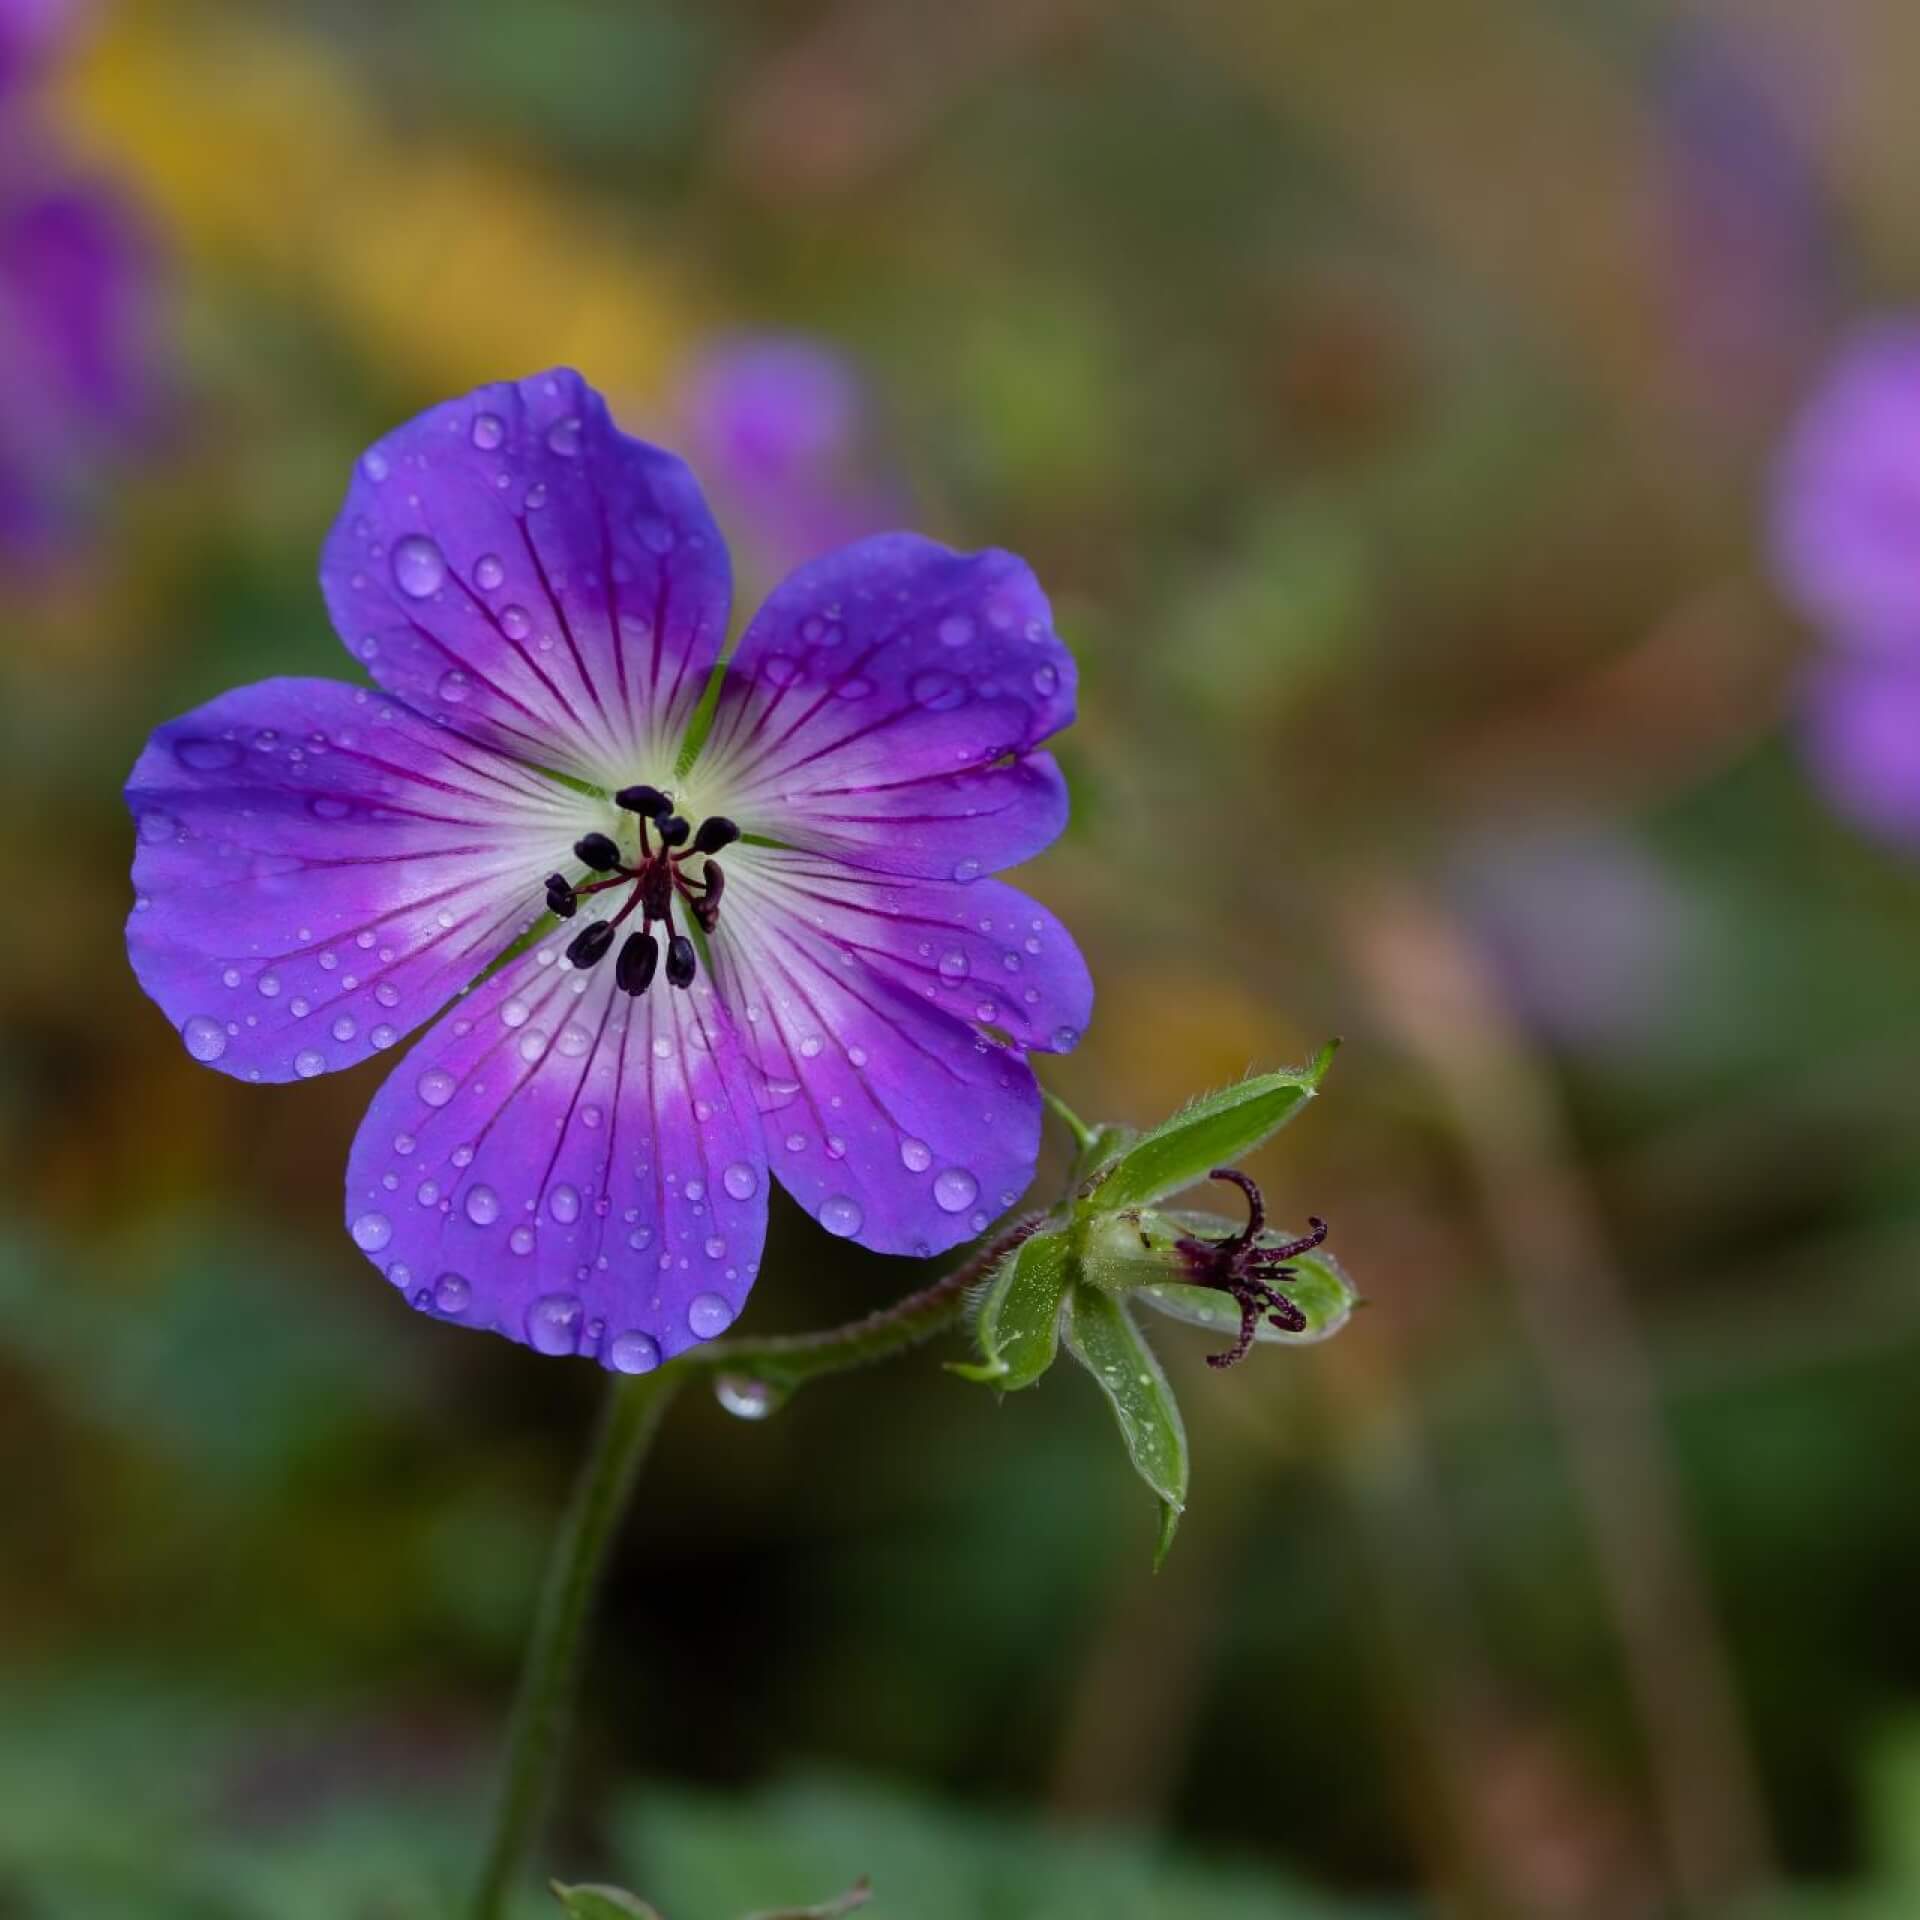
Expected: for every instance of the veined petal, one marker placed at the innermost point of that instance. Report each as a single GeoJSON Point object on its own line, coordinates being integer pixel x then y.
{"type": "Point", "coordinates": [891, 1121]}
{"type": "Point", "coordinates": [574, 1168]}
{"type": "Point", "coordinates": [516, 565]}
{"type": "Point", "coordinates": [319, 870]}
{"type": "Point", "coordinates": [885, 706]}
{"type": "Point", "coordinates": [984, 953]}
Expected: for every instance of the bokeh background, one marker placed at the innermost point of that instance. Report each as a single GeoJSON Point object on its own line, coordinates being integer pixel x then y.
{"type": "Point", "coordinates": [1390, 397]}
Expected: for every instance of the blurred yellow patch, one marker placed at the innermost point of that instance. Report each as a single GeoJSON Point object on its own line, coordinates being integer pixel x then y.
{"type": "Point", "coordinates": [446, 259]}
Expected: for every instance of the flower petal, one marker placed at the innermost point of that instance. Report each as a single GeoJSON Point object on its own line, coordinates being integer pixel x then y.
{"type": "Point", "coordinates": [985, 953]}
{"type": "Point", "coordinates": [569, 1166]}
{"type": "Point", "coordinates": [319, 870]}
{"type": "Point", "coordinates": [885, 705]}
{"type": "Point", "coordinates": [515, 564]}
{"type": "Point", "coordinates": [890, 1121]}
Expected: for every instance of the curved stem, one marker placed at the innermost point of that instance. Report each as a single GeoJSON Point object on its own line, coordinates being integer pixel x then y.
{"type": "Point", "coordinates": [786, 1361]}
{"type": "Point", "coordinates": [628, 1423]}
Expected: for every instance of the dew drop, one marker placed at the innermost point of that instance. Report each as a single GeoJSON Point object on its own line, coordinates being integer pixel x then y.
{"type": "Point", "coordinates": [634, 1353]}
{"type": "Point", "coordinates": [955, 1190]}
{"type": "Point", "coordinates": [564, 1204]}
{"type": "Point", "coordinates": [746, 1398]}
{"type": "Point", "coordinates": [206, 1038]}
{"type": "Point", "coordinates": [309, 1064]}
{"type": "Point", "coordinates": [488, 571]}
{"type": "Point", "coordinates": [533, 1043]}
{"type": "Point", "coordinates": [938, 691]}
{"type": "Point", "coordinates": [383, 1036]}
{"type": "Point", "coordinates": [488, 431]}
{"type": "Point", "coordinates": [564, 437]}
{"type": "Point", "coordinates": [915, 1155]}
{"type": "Point", "coordinates": [716, 1247]}
{"type": "Point", "coordinates": [454, 687]}
{"type": "Point", "coordinates": [841, 1216]}
{"type": "Point", "coordinates": [740, 1181]}
{"type": "Point", "coordinates": [796, 1143]}
{"type": "Point", "coordinates": [967, 870]}
{"type": "Point", "coordinates": [371, 1232]}
{"type": "Point", "coordinates": [953, 964]}
{"type": "Point", "coordinates": [451, 1293]}
{"type": "Point", "coordinates": [956, 630]}
{"type": "Point", "coordinates": [435, 1086]}
{"type": "Point", "coordinates": [515, 1013]}
{"type": "Point", "coordinates": [419, 567]}
{"type": "Point", "coordinates": [268, 986]}
{"type": "Point", "coordinates": [553, 1323]}
{"type": "Point", "coordinates": [1046, 680]}
{"type": "Point", "coordinates": [1065, 1039]}
{"type": "Point", "coordinates": [708, 1314]}
{"type": "Point", "coordinates": [515, 622]}
{"type": "Point", "coordinates": [373, 463]}
{"type": "Point", "coordinates": [521, 1239]}
{"type": "Point", "coordinates": [574, 1041]}
{"type": "Point", "coordinates": [780, 670]}
{"type": "Point", "coordinates": [483, 1206]}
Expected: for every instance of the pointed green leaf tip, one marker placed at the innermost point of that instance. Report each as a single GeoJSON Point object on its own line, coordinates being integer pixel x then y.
{"type": "Point", "coordinates": [1102, 1337]}
{"type": "Point", "coordinates": [1018, 1325]}
{"type": "Point", "coordinates": [602, 1903]}
{"type": "Point", "coordinates": [1214, 1131]}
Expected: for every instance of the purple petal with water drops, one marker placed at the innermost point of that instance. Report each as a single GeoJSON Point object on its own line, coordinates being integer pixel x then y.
{"type": "Point", "coordinates": [1847, 498]}
{"type": "Point", "coordinates": [318, 870]}
{"type": "Point", "coordinates": [985, 953]}
{"type": "Point", "coordinates": [568, 1165]}
{"type": "Point", "coordinates": [890, 1120]}
{"type": "Point", "coordinates": [1860, 733]}
{"type": "Point", "coordinates": [515, 564]}
{"type": "Point", "coordinates": [885, 706]}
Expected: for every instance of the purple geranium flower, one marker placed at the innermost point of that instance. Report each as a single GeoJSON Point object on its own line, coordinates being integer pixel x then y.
{"type": "Point", "coordinates": [577, 1154]}
{"type": "Point", "coordinates": [1847, 503]}
{"type": "Point", "coordinates": [76, 297]}
{"type": "Point", "coordinates": [781, 426]}
{"type": "Point", "coordinates": [1860, 733]}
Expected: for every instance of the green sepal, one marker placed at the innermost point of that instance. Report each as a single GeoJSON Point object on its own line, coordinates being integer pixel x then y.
{"type": "Point", "coordinates": [1213, 1131]}
{"type": "Point", "coordinates": [602, 1903]}
{"type": "Point", "coordinates": [1018, 1324]}
{"type": "Point", "coordinates": [1102, 1337]}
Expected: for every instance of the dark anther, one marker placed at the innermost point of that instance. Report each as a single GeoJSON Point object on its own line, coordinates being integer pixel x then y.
{"type": "Point", "coordinates": [706, 909]}
{"type": "Point", "coordinates": [561, 898]}
{"type": "Point", "coordinates": [1246, 1271]}
{"type": "Point", "coordinates": [589, 946]}
{"type": "Point", "coordinates": [680, 961]}
{"type": "Point", "coordinates": [673, 831]}
{"type": "Point", "coordinates": [649, 802]}
{"type": "Point", "coordinates": [633, 970]}
{"type": "Point", "coordinates": [597, 851]}
{"type": "Point", "coordinates": [716, 831]}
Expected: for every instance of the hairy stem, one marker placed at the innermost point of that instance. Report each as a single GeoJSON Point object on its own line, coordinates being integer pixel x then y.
{"type": "Point", "coordinates": [628, 1423]}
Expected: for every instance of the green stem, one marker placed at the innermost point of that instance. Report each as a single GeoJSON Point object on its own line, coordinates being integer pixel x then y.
{"type": "Point", "coordinates": [632, 1415]}
{"type": "Point", "coordinates": [628, 1422]}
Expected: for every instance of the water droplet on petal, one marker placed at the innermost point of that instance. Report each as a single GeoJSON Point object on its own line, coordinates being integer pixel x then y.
{"type": "Point", "coordinates": [953, 964]}
{"type": "Point", "coordinates": [383, 1036]}
{"type": "Point", "coordinates": [936, 690]}
{"type": "Point", "coordinates": [419, 567]}
{"type": "Point", "coordinates": [740, 1181]}
{"type": "Point", "coordinates": [206, 1038]}
{"type": "Point", "coordinates": [1065, 1039]}
{"type": "Point", "coordinates": [956, 630]}
{"type": "Point", "coordinates": [634, 1353]}
{"type": "Point", "coordinates": [483, 1206]}
{"type": "Point", "coordinates": [915, 1155]}
{"type": "Point", "coordinates": [521, 1239]}
{"type": "Point", "coordinates": [454, 686]}
{"type": "Point", "coordinates": [708, 1314]}
{"type": "Point", "coordinates": [371, 1232]}
{"type": "Point", "coordinates": [488, 571]}
{"type": "Point", "coordinates": [780, 670]}
{"type": "Point", "coordinates": [435, 1086]}
{"type": "Point", "coordinates": [796, 1143]}
{"type": "Point", "coordinates": [563, 437]}
{"type": "Point", "coordinates": [373, 463]}
{"type": "Point", "coordinates": [553, 1323]}
{"type": "Point", "coordinates": [309, 1064]}
{"type": "Point", "coordinates": [955, 1190]}
{"type": "Point", "coordinates": [514, 1013]}
{"type": "Point", "coordinates": [564, 1204]}
{"type": "Point", "coordinates": [1046, 680]}
{"type": "Point", "coordinates": [268, 985]}
{"type": "Point", "coordinates": [967, 870]}
{"type": "Point", "coordinates": [451, 1293]}
{"type": "Point", "coordinates": [488, 431]}
{"type": "Point", "coordinates": [201, 755]}
{"type": "Point", "coordinates": [841, 1216]}
{"type": "Point", "coordinates": [515, 622]}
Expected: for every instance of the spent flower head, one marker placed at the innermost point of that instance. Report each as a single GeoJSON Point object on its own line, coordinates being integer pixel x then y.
{"type": "Point", "coordinates": [681, 938]}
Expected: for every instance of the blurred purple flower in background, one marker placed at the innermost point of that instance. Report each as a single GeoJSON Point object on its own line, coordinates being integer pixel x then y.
{"type": "Point", "coordinates": [1847, 547]}
{"type": "Point", "coordinates": [577, 1154]}
{"type": "Point", "coordinates": [30, 31]}
{"type": "Point", "coordinates": [782, 428]}
{"type": "Point", "coordinates": [77, 312]}
{"type": "Point", "coordinates": [1592, 941]}
{"type": "Point", "coordinates": [1743, 218]}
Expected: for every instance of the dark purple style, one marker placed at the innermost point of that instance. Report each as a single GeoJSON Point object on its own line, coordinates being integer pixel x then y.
{"type": "Point", "coordinates": [1248, 1273]}
{"type": "Point", "coordinates": [763, 948]}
